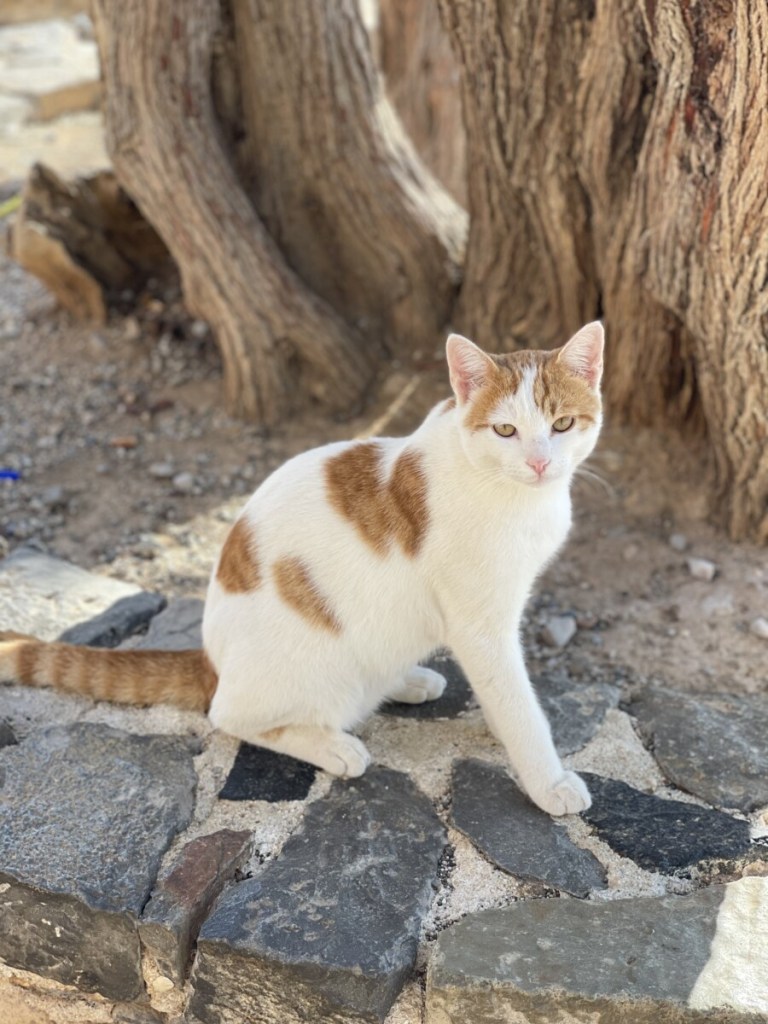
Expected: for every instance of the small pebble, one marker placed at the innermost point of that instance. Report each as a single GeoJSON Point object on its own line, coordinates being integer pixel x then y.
{"type": "Point", "coordinates": [97, 344]}
{"type": "Point", "coordinates": [54, 497]}
{"type": "Point", "coordinates": [631, 551]}
{"type": "Point", "coordinates": [131, 328]}
{"type": "Point", "coordinates": [586, 620]}
{"type": "Point", "coordinates": [678, 541]}
{"type": "Point", "coordinates": [759, 627]}
{"type": "Point", "coordinates": [145, 550]}
{"type": "Point", "coordinates": [199, 329]}
{"type": "Point", "coordinates": [162, 984]}
{"type": "Point", "coordinates": [124, 441]}
{"type": "Point", "coordinates": [161, 470]}
{"type": "Point", "coordinates": [559, 630]}
{"type": "Point", "coordinates": [701, 568]}
{"type": "Point", "coordinates": [184, 483]}
{"type": "Point", "coordinates": [718, 603]}
{"type": "Point", "coordinates": [9, 329]}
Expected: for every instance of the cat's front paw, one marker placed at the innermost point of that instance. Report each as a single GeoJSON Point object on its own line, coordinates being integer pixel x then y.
{"type": "Point", "coordinates": [419, 684]}
{"type": "Point", "coordinates": [569, 795]}
{"type": "Point", "coordinates": [347, 756]}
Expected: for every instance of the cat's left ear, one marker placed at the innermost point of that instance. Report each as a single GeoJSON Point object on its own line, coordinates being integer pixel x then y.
{"type": "Point", "coordinates": [583, 354]}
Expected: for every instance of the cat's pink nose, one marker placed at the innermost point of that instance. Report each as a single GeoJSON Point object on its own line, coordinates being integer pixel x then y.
{"type": "Point", "coordinates": [538, 465]}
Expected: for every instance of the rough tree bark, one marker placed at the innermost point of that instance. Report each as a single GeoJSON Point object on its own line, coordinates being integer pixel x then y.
{"type": "Point", "coordinates": [617, 167]}
{"type": "Point", "coordinates": [164, 141]}
{"type": "Point", "coordinates": [694, 230]}
{"type": "Point", "coordinates": [528, 269]}
{"type": "Point", "coordinates": [422, 79]}
{"type": "Point", "coordinates": [318, 239]}
{"type": "Point", "coordinates": [334, 177]}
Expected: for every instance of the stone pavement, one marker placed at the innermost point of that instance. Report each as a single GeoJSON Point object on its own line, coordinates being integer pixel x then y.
{"type": "Point", "coordinates": [152, 870]}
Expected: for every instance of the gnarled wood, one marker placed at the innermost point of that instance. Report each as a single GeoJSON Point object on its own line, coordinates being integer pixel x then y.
{"type": "Point", "coordinates": [422, 80]}
{"type": "Point", "coordinates": [617, 166]}
{"type": "Point", "coordinates": [335, 179]}
{"type": "Point", "coordinates": [684, 253]}
{"type": "Point", "coordinates": [529, 276]}
{"type": "Point", "coordinates": [280, 343]}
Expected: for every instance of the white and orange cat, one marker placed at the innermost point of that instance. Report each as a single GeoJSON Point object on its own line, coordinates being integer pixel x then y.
{"type": "Point", "coordinates": [353, 562]}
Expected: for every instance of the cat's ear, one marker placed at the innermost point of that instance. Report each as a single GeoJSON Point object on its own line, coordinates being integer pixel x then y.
{"type": "Point", "coordinates": [468, 365]}
{"type": "Point", "coordinates": [583, 354]}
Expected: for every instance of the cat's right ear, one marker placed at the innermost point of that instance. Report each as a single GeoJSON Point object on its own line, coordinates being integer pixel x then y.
{"type": "Point", "coordinates": [468, 365]}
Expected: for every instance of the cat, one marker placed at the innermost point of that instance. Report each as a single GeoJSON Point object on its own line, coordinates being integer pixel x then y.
{"type": "Point", "coordinates": [352, 562]}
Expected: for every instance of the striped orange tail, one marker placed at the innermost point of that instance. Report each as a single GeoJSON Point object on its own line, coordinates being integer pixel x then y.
{"type": "Point", "coordinates": [184, 678]}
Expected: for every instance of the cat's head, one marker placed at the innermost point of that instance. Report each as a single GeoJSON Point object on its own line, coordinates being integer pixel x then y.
{"type": "Point", "coordinates": [532, 415]}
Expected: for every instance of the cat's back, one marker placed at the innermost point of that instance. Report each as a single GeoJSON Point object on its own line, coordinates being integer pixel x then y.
{"type": "Point", "coordinates": [351, 508]}
{"type": "Point", "coordinates": [324, 485]}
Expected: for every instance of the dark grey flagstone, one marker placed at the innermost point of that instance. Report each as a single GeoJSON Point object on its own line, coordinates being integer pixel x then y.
{"type": "Point", "coordinates": [502, 822]}
{"type": "Point", "coordinates": [121, 620]}
{"type": "Point", "coordinates": [329, 929]}
{"type": "Point", "coordinates": [660, 834]}
{"type": "Point", "coordinates": [714, 746]}
{"type": "Point", "coordinates": [86, 814]}
{"type": "Point", "coordinates": [634, 960]}
{"type": "Point", "coordinates": [260, 774]}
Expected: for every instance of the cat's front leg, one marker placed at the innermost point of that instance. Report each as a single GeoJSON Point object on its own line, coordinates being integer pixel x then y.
{"type": "Point", "coordinates": [495, 667]}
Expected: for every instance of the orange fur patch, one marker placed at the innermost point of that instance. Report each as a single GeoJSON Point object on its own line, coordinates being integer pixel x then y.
{"type": "Point", "coordinates": [273, 735]}
{"type": "Point", "coordinates": [299, 591]}
{"type": "Point", "coordinates": [556, 390]}
{"type": "Point", "coordinates": [560, 392]}
{"type": "Point", "coordinates": [239, 571]}
{"type": "Point", "coordinates": [503, 381]}
{"type": "Point", "coordinates": [382, 512]}
{"type": "Point", "coordinates": [447, 405]}
{"type": "Point", "coordinates": [26, 662]}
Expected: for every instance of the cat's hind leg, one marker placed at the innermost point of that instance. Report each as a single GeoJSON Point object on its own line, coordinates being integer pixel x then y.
{"type": "Point", "coordinates": [333, 750]}
{"type": "Point", "coordinates": [417, 685]}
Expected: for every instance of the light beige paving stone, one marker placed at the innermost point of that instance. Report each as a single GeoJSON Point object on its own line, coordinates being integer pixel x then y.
{"type": "Point", "coordinates": [43, 595]}
{"type": "Point", "coordinates": [701, 957]}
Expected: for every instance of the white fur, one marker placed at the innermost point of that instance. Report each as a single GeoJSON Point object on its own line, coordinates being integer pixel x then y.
{"type": "Point", "coordinates": [493, 526]}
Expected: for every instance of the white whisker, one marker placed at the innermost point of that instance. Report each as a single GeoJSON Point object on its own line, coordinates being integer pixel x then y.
{"type": "Point", "coordinates": [590, 474]}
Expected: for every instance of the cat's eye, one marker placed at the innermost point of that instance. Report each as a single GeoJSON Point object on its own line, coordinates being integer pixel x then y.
{"type": "Point", "coordinates": [504, 429]}
{"type": "Point", "coordinates": [563, 424]}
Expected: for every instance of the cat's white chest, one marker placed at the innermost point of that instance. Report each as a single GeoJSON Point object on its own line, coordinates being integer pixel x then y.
{"type": "Point", "coordinates": [529, 536]}
{"type": "Point", "coordinates": [487, 550]}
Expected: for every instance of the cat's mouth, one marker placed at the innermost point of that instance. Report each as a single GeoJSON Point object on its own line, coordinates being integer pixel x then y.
{"type": "Point", "coordinates": [542, 479]}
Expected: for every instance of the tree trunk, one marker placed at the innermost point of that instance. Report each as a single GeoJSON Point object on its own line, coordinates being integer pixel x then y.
{"type": "Point", "coordinates": [163, 137]}
{"type": "Point", "coordinates": [617, 167]}
{"type": "Point", "coordinates": [422, 80]}
{"type": "Point", "coordinates": [529, 274]}
{"type": "Point", "coordinates": [335, 179]}
{"type": "Point", "coordinates": [695, 226]}
{"type": "Point", "coordinates": [303, 274]}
